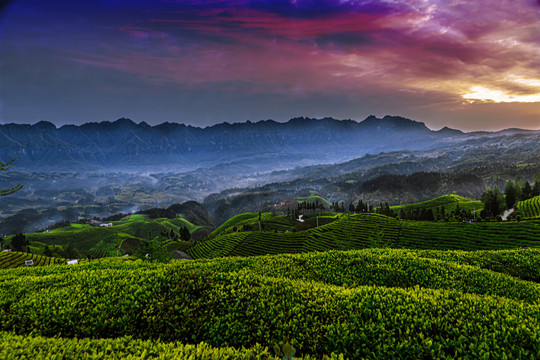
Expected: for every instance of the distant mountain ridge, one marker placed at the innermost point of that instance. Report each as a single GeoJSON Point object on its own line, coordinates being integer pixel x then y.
{"type": "Point", "coordinates": [264, 146]}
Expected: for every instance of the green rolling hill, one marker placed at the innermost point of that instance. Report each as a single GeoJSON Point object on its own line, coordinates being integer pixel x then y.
{"type": "Point", "coordinates": [101, 241]}
{"type": "Point", "coordinates": [345, 232]}
{"type": "Point", "coordinates": [245, 235]}
{"type": "Point", "coordinates": [450, 202]}
{"type": "Point", "coordinates": [14, 259]}
{"type": "Point", "coordinates": [360, 231]}
{"type": "Point", "coordinates": [529, 208]}
{"type": "Point", "coordinates": [371, 303]}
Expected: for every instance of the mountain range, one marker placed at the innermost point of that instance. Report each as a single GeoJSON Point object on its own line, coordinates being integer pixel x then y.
{"type": "Point", "coordinates": [264, 145]}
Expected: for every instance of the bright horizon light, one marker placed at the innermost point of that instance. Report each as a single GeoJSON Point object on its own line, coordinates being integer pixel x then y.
{"type": "Point", "coordinates": [483, 93]}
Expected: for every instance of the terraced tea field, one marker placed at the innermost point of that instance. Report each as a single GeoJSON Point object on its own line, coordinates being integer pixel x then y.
{"type": "Point", "coordinates": [101, 241]}
{"type": "Point", "coordinates": [14, 259]}
{"type": "Point", "coordinates": [373, 230]}
{"type": "Point", "coordinates": [450, 202]}
{"type": "Point", "coordinates": [529, 208]}
{"type": "Point", "coordinates": [347, 232]}
{"type": "Point", "coordinates": [469, 236]}
{"type": "Point", "coordinates": [362, 304]}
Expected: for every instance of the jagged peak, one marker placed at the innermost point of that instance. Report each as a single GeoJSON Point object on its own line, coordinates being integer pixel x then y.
{"type": "Point", "coordinates": [393, 121]}
{"type": "Point", "coordinates": [447, 130]}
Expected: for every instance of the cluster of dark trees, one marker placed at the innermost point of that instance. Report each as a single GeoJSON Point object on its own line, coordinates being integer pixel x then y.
{"type": "Point", "coordinates": [359, 208]}
{"type": "Point", "coordinates": [385, 210]}
{"type": "Point", "coordinates": [436, 214]}
{"type": "Point", "coordinates": [495, 202]}
{"type": "Point", "coordinates": [183, 234]}
{"type": "Point", "coordinates": [518, 191]}
{"type": "Point", "coordinates": [153, 250]}
{"type": "Point", "coordinates": [19, 242]}
{"type": "Point", "coordinates": [310, 206]}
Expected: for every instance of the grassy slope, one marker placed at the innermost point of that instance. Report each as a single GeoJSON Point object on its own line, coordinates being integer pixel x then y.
{"type": "Point", "coordinates": [368, 230]}
{"type": "Point", "coordinates": [235, 221]}
{"type": "Point", "coordinates": [469, 236]}
{"type": "Point", "coordinates": [102, 240]}
{"type": "Point", "coordinates": [378, 303]}
{"type": "Point", "coordinates": [449, 202]}
{"type": "Point", "coordinates": [529, 208]}
{"type": "Point", "coordinates": [314, 198]}
{"type": "Point", "coordinates": [273, 222]}
{"type": "Point", "coordinates": [13, 259]}
{"type": "Point", "coordinates": [347, 232]}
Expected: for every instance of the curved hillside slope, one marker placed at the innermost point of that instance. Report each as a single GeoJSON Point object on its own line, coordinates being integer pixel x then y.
{"type": "Point", "coordinates": [529, 208]}
{"type": "Point", "coordinates": [373, 230]}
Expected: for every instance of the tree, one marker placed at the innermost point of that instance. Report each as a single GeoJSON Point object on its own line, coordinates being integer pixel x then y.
{"type": "Point", "coordinates": [536, 187]}
{"type": "Point", "coordinates": [153, 250]}
{"type": "Point", "coordinates": [493, 202]}
{"type": "Point", "coordinates": [18, 242]}
{"type": "Point", "coordinates": [69, 252]}
{"type": "Point", "coordinates": [518, 188]}
{"type": "Point", "coordinates": [526, 191]}
{"type": "Point", "coordinates": [3, 167]}
{"type": "Point", "coordinates": [185, 235]}
{"type": "Point", "coordinates": [511, 194]}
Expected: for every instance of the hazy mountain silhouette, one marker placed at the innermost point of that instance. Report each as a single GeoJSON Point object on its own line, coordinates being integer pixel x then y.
{"type": "Point", "coordinates": [265, 145]}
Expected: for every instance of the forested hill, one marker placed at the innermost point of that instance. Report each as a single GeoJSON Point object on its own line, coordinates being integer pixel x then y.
{"type": "Point", "coordinates": [266, 145]}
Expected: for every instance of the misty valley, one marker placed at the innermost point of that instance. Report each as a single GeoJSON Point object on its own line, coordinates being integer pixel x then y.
{"type": "Point", "coordinates": [250, 179]}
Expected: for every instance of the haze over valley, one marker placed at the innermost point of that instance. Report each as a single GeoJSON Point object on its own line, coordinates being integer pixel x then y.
{"type": "Point", "coordinates": [100, 169]}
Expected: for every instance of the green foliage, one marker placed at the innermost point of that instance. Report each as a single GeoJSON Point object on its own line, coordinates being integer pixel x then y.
{"type": "Point", "coordinates": [363, 304]}
{"type": "Point", "coordinates": [68, 252]}
{"type": "Point", "coordinates": [510, 193]}
{"type": "Point", "coordinates": [377, 239]}
{"type": "Point", "coordinates": [373, 230]}
{"type": "Point", "coordinates": [469, 236]}
{"type": "Point", "coordinates": [441, 207]}
{"type": "Point", "coordinates": [493, 201]}
{"type": "Point", "coordinates": [345, 232]}
{"type": "Point", "coordinates": [3, 167]}
{"type": "Point", "coordinates": [19, 242]}
{"type": "Point", "coordinates": [125, 235]}
{"type": "Point", "coordinates": [285, 350]}
{"type": "Point", "coordinates": [38, 347]}
{"type": "Point", "coordinates": [154, 250]}
{"type": "Point", "coordinates": [529, 208]}
{"type": "Point", "coordinates": [14, 259]}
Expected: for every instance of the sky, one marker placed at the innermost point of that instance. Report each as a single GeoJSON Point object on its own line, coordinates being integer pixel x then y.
{"type": "Point", "coordinates": [469, 65]}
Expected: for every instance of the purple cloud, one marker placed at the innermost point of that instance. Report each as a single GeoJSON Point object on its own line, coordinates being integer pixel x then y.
{"type": "Point", "coordinates": [433, 51]}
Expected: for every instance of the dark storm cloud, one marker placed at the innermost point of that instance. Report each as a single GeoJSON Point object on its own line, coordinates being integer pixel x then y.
{"type": "Point", "coordinates": [318, 8]}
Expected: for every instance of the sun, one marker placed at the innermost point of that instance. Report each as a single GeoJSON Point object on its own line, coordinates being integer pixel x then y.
{"type": "Point", "coordinates": [486, 94]}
